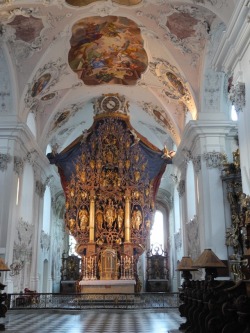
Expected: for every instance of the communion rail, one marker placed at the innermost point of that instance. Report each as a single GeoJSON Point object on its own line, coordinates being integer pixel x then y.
{"type": "Point", "coordinates": [93, 301]}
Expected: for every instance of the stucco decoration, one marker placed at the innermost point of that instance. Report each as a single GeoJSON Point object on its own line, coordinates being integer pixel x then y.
{"type": "Point", "coordinates": [4, 160]}
{"type": "Point", "coordinates": [24, 31]}
{"type": "Point", "coordinates": [59, 130]}
{"type": "Point", "coordinates": [27, 28]}
{"type": "Point", "coordinates": [217, 3]}
{"type": "Point", "coordinates": [18, 165]}
{"type": "Point", "coordinates": [237, 96]}
{"type": "Point", "coordinates": [5, 90]}
{"type": "Point", "coordinates": [62, 116]}
{"type": "Point", "coordinates": [107, 50]}
{"type": "Point", "coordinates": [165, 138]}
{"type": "Point", "coordinates": [81, 3]}
{"type": "Point", "coordinates": [187, 27]}
{"type": "Point", "coordinates": [181, 188]}
{"type": "Point", "coordinates": [193, 239]}
{"type": "Point", "coordinates": [197, 163]}
{"type": "Point", "coordinates": [31, 157]}
{"type": "Point", "coordinates": [174, 86]}
{"type": "Point", "coordinates": [23, 243]}
{"type": "Point", "coordinates": [214, 159]}
{"type": "Point", "coordinates": [58, 205]}
{"type": "Point", "coordinates": [212, 90]}
{"type": "Point", "coordinates": [40, 188]}
{"type": "Point", "coordinates": [178, 240]}
{"type": "Point", "coordinates": [45, 241]}
{"type": "Point", "coordinates": [43, 82]}
{"type": "Point", "coordinates": [161, 117]}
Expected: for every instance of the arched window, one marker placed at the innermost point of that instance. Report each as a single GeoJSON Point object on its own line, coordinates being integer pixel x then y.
{"type": "Point", "coordinates": [27, 194]}
{"type": "Point", "coordinates": [46, 210]}
{"type": "Point", "coordinates": [234, 115]}
{"type": "Point", "coordinates": [157, 230]}
{"type": "Point", "coordinates": [191, 196]}
{"type": "Point", "coordinates": [32, 123]}
{"type": "Point", "coordinates": [48, 149]}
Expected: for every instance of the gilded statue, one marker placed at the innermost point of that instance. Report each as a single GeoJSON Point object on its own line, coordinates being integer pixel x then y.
{"type": "Point", "coordinates": [83, 176]}
{"type": "Point", "coordinates": [120, 217]}
{"type": "Point", "coordinates": [137, 175]}
{"type": "Point", "coordinates": [236, 158]}
{"type": "Point", "coordinates": [72, 224]}
{"type": "Point", "coordinates": [136, 218]}
{"type": "Point", "coordinates": [247, 217]}
{"type": "Point", "coordinates": [109, 157]}
{"type": "Point", "coordinates": [110, 214]}
{"type": "Point", "coordinates": [84, 219]}
{"type": "Point", "coordinates": [148, 225]}
{"type": "Point", "coordinates": [99, 218]}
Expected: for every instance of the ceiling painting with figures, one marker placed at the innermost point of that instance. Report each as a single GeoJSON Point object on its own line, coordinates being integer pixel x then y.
{"type": "Point", "coordinates": [107, 50]}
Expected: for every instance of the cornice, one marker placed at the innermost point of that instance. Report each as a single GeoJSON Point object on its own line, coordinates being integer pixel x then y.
{"type": "Point", "coordinates": [20, 133]}
{"type": "Point", "coordinates": [197, 129]}
{"type": "Point", "coordinates": [235, 41]}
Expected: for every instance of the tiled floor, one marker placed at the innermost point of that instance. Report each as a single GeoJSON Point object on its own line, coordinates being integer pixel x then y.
{"type": "Point", "coordinates": [94, 321]}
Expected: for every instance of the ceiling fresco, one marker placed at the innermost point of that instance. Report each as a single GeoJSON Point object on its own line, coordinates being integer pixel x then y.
{"type": "Point", "coordinates": [27, 28]}
{"type": "Point", "coordinates": [107, 50]}
{"type": "Point", "coordinates": [59, 56]}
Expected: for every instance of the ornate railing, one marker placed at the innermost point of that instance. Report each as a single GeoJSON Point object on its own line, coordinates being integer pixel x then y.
{"type": "Point", "coordinates": [93, 301]}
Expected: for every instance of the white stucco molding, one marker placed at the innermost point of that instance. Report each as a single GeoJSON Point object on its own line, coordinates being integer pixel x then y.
{"type": "Point", "coordinates": [201, 136]}
{"type": "Point", "coordinates": [237, 96]}
{"type": "Point", "coordinates": [235, 41]}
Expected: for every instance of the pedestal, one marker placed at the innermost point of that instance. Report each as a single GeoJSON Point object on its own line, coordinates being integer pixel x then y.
{"type": "Point", "coordinates": [156, 286]}
{"type": "Point", "coordinates": [68, 287]}
{"type": "Point", "coordinates": [107, 286]}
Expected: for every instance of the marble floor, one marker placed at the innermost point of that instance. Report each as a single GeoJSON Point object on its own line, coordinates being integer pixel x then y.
{"type": "Point", "coordinates": [92, 321]}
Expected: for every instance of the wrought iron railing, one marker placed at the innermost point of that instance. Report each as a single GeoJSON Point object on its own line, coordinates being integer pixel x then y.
{"type": "Point", "coordinates": [93, 301]}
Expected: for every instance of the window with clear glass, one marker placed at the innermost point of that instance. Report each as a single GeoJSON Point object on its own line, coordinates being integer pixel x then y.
{"type": "Point", "coordinates": [234, 115]}
{"type": "Point", "coordinates": [157, 231]}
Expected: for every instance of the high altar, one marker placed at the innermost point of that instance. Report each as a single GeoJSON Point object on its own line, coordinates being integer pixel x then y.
{"type": "Point", "coordinates": [110, 176]}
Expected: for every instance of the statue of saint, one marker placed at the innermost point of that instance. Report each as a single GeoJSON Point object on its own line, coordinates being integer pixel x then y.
{"type": "Point", "coordinates": [99, 218]}
{"type": "Point", "coordinates": [84, 219]}
{"type": "Point", "coordinates": [110, 214]}
{"type": "Point", "coordinates": [120, 217]}
{"type": "Point", "coordinates": [72, 224]}
{"type": "Point", "coordinates": [247, 217]}
{"type": "Point", "coordinates": [136, 218]}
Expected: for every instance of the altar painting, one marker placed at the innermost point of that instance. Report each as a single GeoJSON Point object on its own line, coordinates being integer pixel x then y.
{"type": "Point", "coordinates": [107, 50]}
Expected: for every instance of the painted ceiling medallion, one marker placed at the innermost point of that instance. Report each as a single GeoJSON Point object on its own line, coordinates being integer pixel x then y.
{"type": "Point", "coordinates": [176, 83]}
{"type": "Point", "coordinates": [182, 25]}
{"type": "Point", "coordinates": [40, 84]}
{"type": "Point", "coordinates": [27, 28]}
{"type": "Point", "coordinates": [45, 78]}
{"type": "Point", "coordinates": [173, 84]}
{"type": "Point", "coordinates": [107, 50]}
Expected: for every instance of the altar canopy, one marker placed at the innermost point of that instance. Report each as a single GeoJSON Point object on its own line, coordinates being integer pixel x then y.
{"type": "Point", "coordinates": [110, 176]}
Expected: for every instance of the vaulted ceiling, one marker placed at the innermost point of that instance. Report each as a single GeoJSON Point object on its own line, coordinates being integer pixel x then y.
{"type": "Point", "coordinates": [60, 55]}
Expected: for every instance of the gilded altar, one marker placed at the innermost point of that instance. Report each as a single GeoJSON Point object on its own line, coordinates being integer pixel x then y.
{"type": "Point", "coordinates": [110, 176]}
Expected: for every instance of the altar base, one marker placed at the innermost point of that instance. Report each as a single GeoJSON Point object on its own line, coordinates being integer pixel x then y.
{"type": "Point", "coordinates": [107, 286]}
